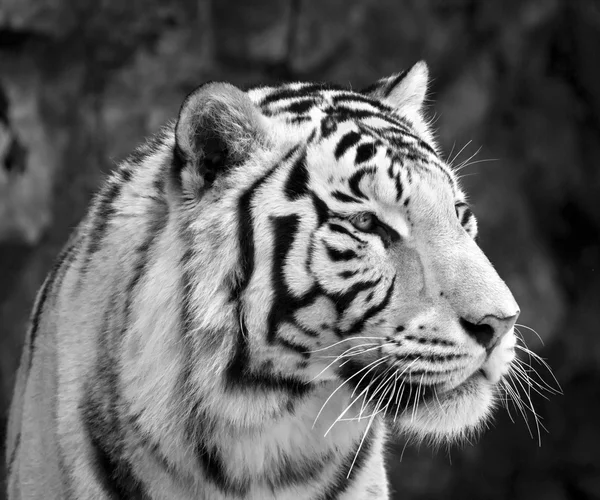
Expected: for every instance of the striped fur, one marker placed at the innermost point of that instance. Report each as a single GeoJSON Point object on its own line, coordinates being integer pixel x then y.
{"type": "Point", "coordinates": [255, 298]}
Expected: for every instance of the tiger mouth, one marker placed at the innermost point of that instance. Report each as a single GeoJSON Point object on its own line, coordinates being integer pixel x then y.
{"type": "Point", "coordinates": [475, 378]}
{"type": "Point", "coordinates": [392, 396]}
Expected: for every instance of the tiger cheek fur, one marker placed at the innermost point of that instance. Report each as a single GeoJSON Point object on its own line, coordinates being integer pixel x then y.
{"type": "Point", "coordinates": [256, 296]}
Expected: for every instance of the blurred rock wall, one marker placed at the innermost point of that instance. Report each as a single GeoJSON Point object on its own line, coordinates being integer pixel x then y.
{"type": "Point", "coordinates": [516, 83]}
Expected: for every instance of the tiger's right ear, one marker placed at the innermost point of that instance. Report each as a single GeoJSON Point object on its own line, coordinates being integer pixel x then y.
{"type": "Point", "coordinates": [218, 128]}
{"type": "Point", "coordinates": [404, 91]}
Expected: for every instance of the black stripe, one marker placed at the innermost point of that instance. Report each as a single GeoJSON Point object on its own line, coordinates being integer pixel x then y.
{"type": "Point", "coordinates": [284, 231]}
{"type": "Point", "coordinates": [356, 177]}
{"type": "Point", "coordinates": [142, 258]}
{"type": "Point", "coordinates": [299, 119]}
{"type": "Point", "coordinates": [246, 229]}
{"type": "Point", "coordinates": [341, 480]}
{"type": "Point", "coordinates": [372, 311]}
{"type": "Point", "coordinates": [399, 187]}
{"type": "Point", "coordinates": [100, 219]}
{"type": "Point", "coordinates": [101, 410]}
{"type": "Point", "coordinates": [350, 98]}
{"type": "Point", "coordinates": [299, 107]}
{"type": "Point", "coordinates": [55, 277]}
{"type": "Point", "coordinates": [186, 324]}
{"type": "Point", "coordinates": [238, 372]}
{"type": "Point", "coordinates": [144, 440]}
{"type": "Point", "coordinates": [296, 185]}
{"type": "Point", "coordinates": [466, 216]}
{"type": "Point", "coordinates": [35, 321]}
{"type": "Point", "coordinates": [240, 376]}
{"type": "Point", "coordinates": [344, 198]}
{"type": "Point", "coordinates": [343, 300]}
{"type": "Point", "coordinates": [365, 152]}
{"type": "Point", "coordinates": [13, 455]}
{"type": "Point", "coordinates": [397, 133]}
{"type": "Point", "coordinates": [102, 215]}
{"type": "Point", "coordinates": [294, 346]}
{"type": "Point", "coordinates": [115, 477]}
{"type": "Point", "coordinates": [286, 92]}
{"type": "Point", "coordinates": [296, 471]}
{"type": "Point", "coordinates": [216, 471]}
{"type": "Point", "coordinates": [111, 470]}
{"type": "Point", "coordinates": [352, 114]}
{"type": "Point", "coordinates": [337, 255]}
{"type": "Point", "coordinates": [338, 228]}
{"type": "Point", "coordinates": [321, 209]}
{"type": "Point", "coordinates": [284, 304]}
{"type": "Point", "coordinates": [346, 142]}
{"type": "Point", "coordinates": [392, 82]}
{"type": "Point", "coordinates": [347, 274]}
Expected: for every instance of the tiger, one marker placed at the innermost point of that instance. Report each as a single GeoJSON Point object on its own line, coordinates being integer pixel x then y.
{"type": "Point", "coordinates": [259, 298]}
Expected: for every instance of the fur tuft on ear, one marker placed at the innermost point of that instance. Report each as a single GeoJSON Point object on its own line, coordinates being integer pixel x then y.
{"type": "Point", "coordinates": [404, 91]}
{"type": "Point", "coordinates": [218, 128]}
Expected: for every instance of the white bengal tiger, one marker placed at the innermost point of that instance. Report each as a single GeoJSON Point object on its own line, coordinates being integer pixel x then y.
{"type": "Point", "coordinates": [256, 296]}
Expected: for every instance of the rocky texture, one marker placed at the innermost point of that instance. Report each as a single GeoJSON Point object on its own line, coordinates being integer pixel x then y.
{"type": "Point", "coordinates": [82, 82]}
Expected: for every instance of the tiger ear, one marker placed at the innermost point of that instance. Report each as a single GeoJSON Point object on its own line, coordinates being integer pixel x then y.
{"type": "Point", "coordinates": [218, 128]}
{"type": "Point", "coordinates": [404, 91]}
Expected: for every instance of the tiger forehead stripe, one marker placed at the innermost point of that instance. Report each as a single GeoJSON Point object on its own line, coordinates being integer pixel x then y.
{"type": "Point", "coordinates": [404, 143]}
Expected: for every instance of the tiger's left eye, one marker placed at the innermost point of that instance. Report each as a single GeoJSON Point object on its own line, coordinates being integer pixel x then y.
{"type": "Point", "coordinates": [364, 221]}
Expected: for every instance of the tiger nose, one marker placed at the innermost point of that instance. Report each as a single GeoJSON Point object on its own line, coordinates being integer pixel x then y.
{"type": "Point", "coordinates": [489, 330]}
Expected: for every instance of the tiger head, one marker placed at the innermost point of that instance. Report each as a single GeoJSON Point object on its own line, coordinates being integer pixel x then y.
{"type": "Point", "coordinates": [337, 243]}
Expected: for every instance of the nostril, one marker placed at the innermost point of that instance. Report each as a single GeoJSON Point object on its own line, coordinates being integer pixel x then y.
{"type": "Point", "coordinates": [483, 333]}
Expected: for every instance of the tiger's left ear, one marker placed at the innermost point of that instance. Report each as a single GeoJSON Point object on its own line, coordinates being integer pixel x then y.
{"type": "Point", "coordinates": [404, 91]}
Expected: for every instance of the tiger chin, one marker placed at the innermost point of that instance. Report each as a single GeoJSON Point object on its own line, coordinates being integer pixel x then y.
{"type": "Point", "coordinates": [255, 298]}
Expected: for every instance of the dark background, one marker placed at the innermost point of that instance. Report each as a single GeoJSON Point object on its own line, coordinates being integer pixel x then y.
{"type": "Point", "coordinates": [83, 81]}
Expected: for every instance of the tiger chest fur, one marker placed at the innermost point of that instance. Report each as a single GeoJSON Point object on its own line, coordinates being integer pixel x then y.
{"type": "Point", "coordinates": [256, 298]}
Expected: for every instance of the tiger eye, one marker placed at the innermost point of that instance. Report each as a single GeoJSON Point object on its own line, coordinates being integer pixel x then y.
{"type": "Point", "coordinates": [364, 221]}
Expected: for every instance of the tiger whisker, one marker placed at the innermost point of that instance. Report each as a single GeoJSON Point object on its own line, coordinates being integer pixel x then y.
{"type": "Point", "coordinates": [451, 162]}
{"type": "Point", "coordinates": [333, 362]}
{"type": "Point", "coordinates": [382, 385]}
{"type": "Point", "coordinates": [531, 330]}
{"type": "Point", "coordinates": [371, 420]}
{"type": "Point", "coordinates": [414, 410]}
{"type": "Point", "coordinates": [377, 409]}
{"type": "Point", "coordinates": [468, 164]}
{"type": "Point", "coordinates": [543, 362]}
{"type": "Point", "coordinates": [458, 167]}
{"type": "Point", "coordinates": [350, 354]}
{"type": "Point", "coordinates": [505, 396]}
{"type": "Point", "coordinates": [361, 379]}
{"type": "Point", "coordinates": [360, 416]}
{"type": "Point", "coordinates": [543, 386]}
{"type": "Point", "coordinates": [438, 399]}
{"type": "Point", "coordinates": [530, 407]}
{"type": "Point", "coordinates": [371, 365]}
{"type": "Point", "coordinates": [410, 385]}
{"type": "Point", "coordinates": [516, 400]}
{"type": "Point", "coordinates": [450, 154]}
{"type": "Point", "coordinates": [364, 391]}
{"type": "Point", "coordinates": [342, 341]}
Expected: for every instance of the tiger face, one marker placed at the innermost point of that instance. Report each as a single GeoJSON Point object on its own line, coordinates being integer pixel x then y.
{"type": "Point", "coordinates": [422, 323]}
{"type": "Point", "coordinates": [358, 261]}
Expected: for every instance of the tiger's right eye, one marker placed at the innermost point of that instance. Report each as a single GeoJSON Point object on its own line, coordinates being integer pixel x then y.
{"type": "Point", "coordinates": [364, 221]}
